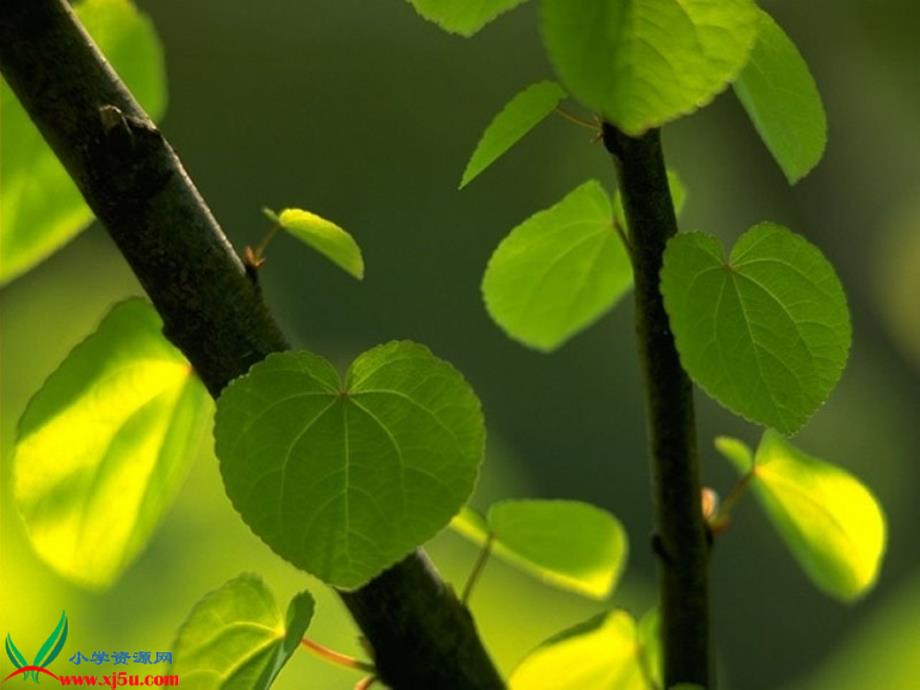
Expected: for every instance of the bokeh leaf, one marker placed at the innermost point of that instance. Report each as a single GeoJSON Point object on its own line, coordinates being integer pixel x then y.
{"type": "Point", "coordinates": [651, 650]}
{"type": "Point", "coordinates": [105, 444]}
{"type": "Point", "coordinates": [600, 654]}
{"type": "Point", "coordinates": [781, 98]}
{"type": "Point", "coordinates": [765, 332]}
{"type": "Point", "coordinates": [344, 478]}
{"type": "Point", "coordinates": [236, 639]}
{"type": "Point", "coordinates": [832, 524]}
{"type": "Point", "coordinates": [41, 208]}
{"type": "Point", "coordinates": [462, 16]}
{"type": "Point", "coordinates": [568, 544]}
{"type": "Point", "coordinates": [325, 237]}
{"type": "Point", "coordinates": [521, 114]}
{"type": "Point", "coordinates": [558, 271]}
{"type": "Point", "coordinates": [645, 62]}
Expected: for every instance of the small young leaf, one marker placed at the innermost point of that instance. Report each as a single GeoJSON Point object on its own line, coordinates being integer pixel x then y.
{"type": "Point", "coordinates": [600, 654]}
{"type": "Point", "coordinates": [678, 199]}
{"type": "Point", "coordinates": [644, 62]}
{"type": "Point", "coordinates": [462, 16]}
{"type": "Point", "coordinates": [41, 208]}
{"type": "Point", "coordinates": [325, 237]}
{"type": "Point", "coordinates": [236, 639]}
{"type": "Point", "coordinates": [105, 444]}
{"type": "Point", "coordinates": [357, 472]}
{"type": "Point", "coordinates": [522, 113]}
{"type": "Point", "coordinates": [832, 524]}
{"type": "Point", "coordinates": [558, 271]}
{"type": "Point", "coordinates": [738, 453]}
{"type": "Point", "coordinates": [781, 98]}
{"type": "Point", "coordinates": [765, 332]}
{"type": "Point", "coordinates": [569, 544]}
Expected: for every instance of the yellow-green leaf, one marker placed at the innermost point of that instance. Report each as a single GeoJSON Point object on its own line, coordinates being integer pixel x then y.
{"type": "Point", "coordinates": [325, 237]}
{"type": "Point", "coordinates": [105, 444]}
{"type": "Point", "coordinates": [831, 522]}
{"type": "Point", "coordinates": [40, 207]}
{"type": "Point", "coordinates": [568, 544]}
{"type": "Point", "coordinates": [464, 17]}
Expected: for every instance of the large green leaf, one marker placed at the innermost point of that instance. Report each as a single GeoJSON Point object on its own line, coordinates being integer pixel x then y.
{"type": "Point", "coordinates": [105, 444]}
{"type": "Point", "coordinates": [833, 524]}
{"type": "Point", "coordinates": [558, 271]}
{"type": "Point", "coordinates": [344, 478]}
{"type": "Point", "coordinates": [324, 236]}
{"type": "Point", "coordinates": [568, 544]}
{"type": "Point", "coordinates": [779, 93]}
{"type": "Point", "coordinates": [41, 208]}
{"type": "Point", "coordinates": [464, 17]}
{"type": "Point", "coordinates": [236, 639]}
{"type": "Point", "coordinates": [603, 653]}
{"type": "Point", "coordinates": [766, 332]}
{"type": "Point", "coordinates": [644, 62]}
{"type": "Point", "coordinates": [521, 114]}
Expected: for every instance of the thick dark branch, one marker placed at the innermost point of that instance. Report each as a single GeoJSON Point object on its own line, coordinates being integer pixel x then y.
{"type": "Point", "coordinates": [681, 540]}
{"type": "Point", "coordinates": [138, 189]}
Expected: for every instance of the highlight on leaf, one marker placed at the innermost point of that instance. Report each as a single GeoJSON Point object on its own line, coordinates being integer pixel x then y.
{"type": "Point", "coordinates": [521, 114]}
{"type": "Point", "coordinates": [235, 638]}
{"type": "Point", "coordinates": [41, 207]}
{"type": "Point", "coordinates": [462, 16]}
{"type": "Point", "coordinates": [567, 544]}
{"type": "Point", "coordinates": [105, 444]}
{"type": "Point", "coordinates": [780, 96]}
{"type": "Point", "coordinates": [360, 470]}
{"type": "Point", "coordinates": [323, 235]}
{"type": "Point", "coordinates": [558, 271]}
{"type": "Point", "coordinates": [830, 521]}
{"type": "Point", "coordinates": [766, 331]}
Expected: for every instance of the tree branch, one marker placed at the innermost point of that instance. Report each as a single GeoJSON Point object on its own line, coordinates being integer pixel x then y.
{"type": "Point", "coordinates": [681, 532]}
{"type": "Point", "coordinates": [134, 183]}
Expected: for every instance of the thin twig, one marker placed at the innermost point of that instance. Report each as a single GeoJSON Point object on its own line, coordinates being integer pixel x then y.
{"type": "Point", "coordinates": [337, 658]}
{"type": "Point", "coordinates": [571, 117]}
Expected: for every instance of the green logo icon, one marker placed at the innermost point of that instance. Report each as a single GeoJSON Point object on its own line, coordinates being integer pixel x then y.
{"type": "Point", "coordinates": [46, 654]}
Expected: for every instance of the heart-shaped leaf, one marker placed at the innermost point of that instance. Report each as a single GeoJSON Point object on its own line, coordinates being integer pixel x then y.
{"type": "Point", "coordinates": [236, 639]}
{"type": "Point", "coordinates": [781, 98]}
{"type": "Point", "coordinates": [569, 544]}
{"type": "Point", "coordinates": [603, 653]}
{"type": "Point", "coordinates": [462, 16]}
{"type": "Point", "coordinates": [644, 62]}
{"type": "Point", "coordinates": [832, 524]}
{"type": "Point", "coordinates": [344, 478]}
{"type": "Point", "coordinates": [324, 236]}
{"type": "Point", "coordinates": [522, 113]}
{"type": "Point", "coordinates": [42, 208]}
{"type": "Point", "coordinates": [765, 332]}
{"type": "Point", "coordinates": [105, 444]}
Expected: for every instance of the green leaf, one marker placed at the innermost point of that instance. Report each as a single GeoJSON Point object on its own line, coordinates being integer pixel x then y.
{"type": "Point", "coordinates": [600, 654]}
{"type": "Point", "coordinates": [105, 444]}
{"type": "Point", "coordinates": [463, 16]}
{"type": "Point", "coordinates": [344, 478]}
{"type": "Point", "coordinates": [645, 62]}
{"type": "Point", "coordinates": [558, 271]}
{"type": "Point", "coordinates": [738, 453]}
{"type": "Point", "coordinates": [781, 98]}
{"type": "Point", "coordinates": [522, 113]}
{"type": "Point", "coordinates": [569, 544]}
{"type": "Point", "coordinates": [766, 332]}
{"type": "Point", "coordinates": [236, 639]}
{"type": "Point", "coordinates": [678, 199]}
{"type": "Point", "coordinates": [832, 524]}
{"type": "Point", "coordinates": [41, 208]}
{"type": "Point", "coordinates": [651, 652]}
{"type": "Point", "coordinates": [52, 647]}
{"type": "Point", "coordinates": [325, 237]}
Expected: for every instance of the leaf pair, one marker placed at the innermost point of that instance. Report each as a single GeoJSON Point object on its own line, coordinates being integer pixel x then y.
{"type": "Point", "coordinates": [833, 525]}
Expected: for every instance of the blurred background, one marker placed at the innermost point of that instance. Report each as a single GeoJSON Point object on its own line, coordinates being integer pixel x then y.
{"type": "Point", "coordinates": [366, 114]}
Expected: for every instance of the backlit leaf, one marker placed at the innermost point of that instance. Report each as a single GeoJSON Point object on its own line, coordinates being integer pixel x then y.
{"type": "Point", "coordinates": [642, 63]}
{"type": "Point", "coordinates": [236, 639]}
{"type": "Point", "coordinates": [464, 17]}
{"type": "Point", "coordinates": [325, 237]}
{"type": "Point", "coordinates": [343, 478]}
{"type": "Point", "coordinates": [832, 524]}
{"type": "Point", "coordinates": [781, 98]}
{"type": "Point", "coordinates": [40, 207]}
{"type": "Point", "coordinates": [105, 444]}
{"type": "Point", "coordinates": [522, 113]}
{"type": "Point", "coordinates": [558, 271]}
{"type": "Point", "coordinates": [766, 332]}
{"type": "Point", "coordinates": [569, 544]}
